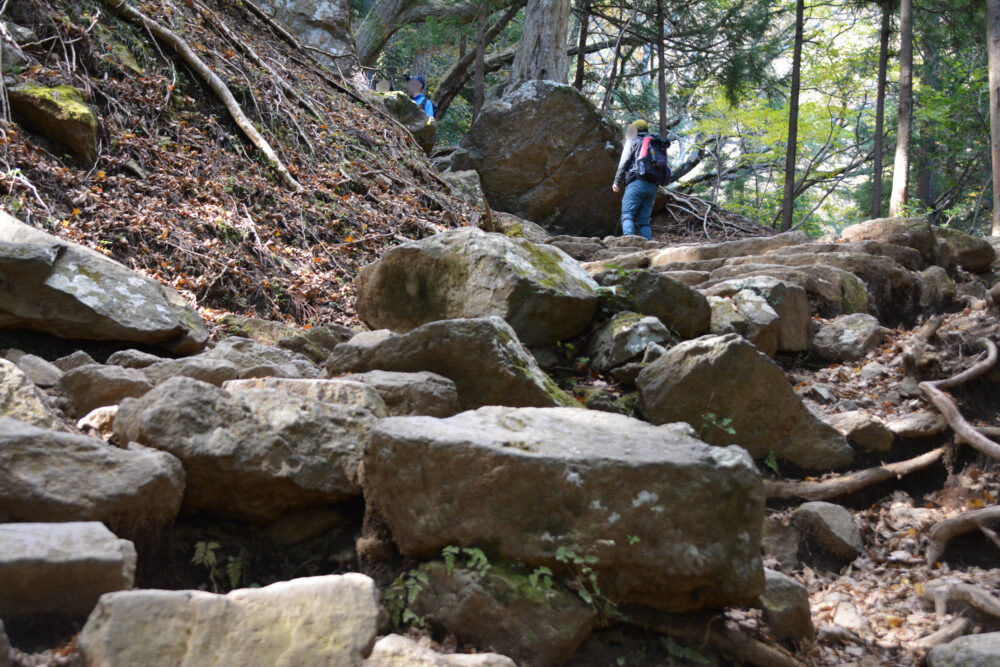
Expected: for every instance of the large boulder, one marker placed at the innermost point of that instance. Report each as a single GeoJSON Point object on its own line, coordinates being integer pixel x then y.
{"type": "Point", "coordinates": [916, 233]}
{"type": "Point", "coordinates": [545, 153]}
{"type": "Point", "coordinates": [253, 454]}
{"type": "Point", "coordinates": [308, 622]}
{"type": "Point", "coordinates": [20, 399]}
{"type": "Point", "coordinates": [60, 114]}
{"type": "Point", "coordinates": [61, 568]}
{"type": "Point", "coordinates": [423, 128]}
{"type": "Point", "coordinates": [971, 253]}
{"type": "Point", "coordinates": [66, 290]}
{"type": "Point", "coordinates": [847, 338]}
{"type": "Point", "coordinates": [542, 293]}
{"type": "Point", "coordinates": [676, 305]}
{"type": "Point", "coordinates": [715, 378]}
{"type": "Point", "coordinates": [669, 521]}
{"type": "Point", "coordinates": [323, 24]}
{"type": "Point", "coordinates": [482, 356]}
{"type": "Point", "coordinates": [53, 476]}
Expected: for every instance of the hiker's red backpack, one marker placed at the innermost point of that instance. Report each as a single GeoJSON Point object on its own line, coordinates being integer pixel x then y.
{"type": "Point", "coordinates": [651, 165]}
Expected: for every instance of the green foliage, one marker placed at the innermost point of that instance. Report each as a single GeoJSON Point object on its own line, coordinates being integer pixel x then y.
{"type": "Point", "coordinates": [772, 463]}
{"type": "Point", "coordinates": [683, 652]}
{"type": "Point", "coordinates": [541, 578]}
{"type": "Point", "coordinates": [235, 568]}
{"type": "Point", "coordinates": [710, 421]}
{"type": "Point", "coordinates": [401, 594]}
{"type": "Point", "coordinates": [587, 586]}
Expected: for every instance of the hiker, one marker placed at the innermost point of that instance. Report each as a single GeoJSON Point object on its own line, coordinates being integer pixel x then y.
{"type": "Point", "coordinates": [642, 168]}
{"type": "Point", "coordinates": [415, 87]}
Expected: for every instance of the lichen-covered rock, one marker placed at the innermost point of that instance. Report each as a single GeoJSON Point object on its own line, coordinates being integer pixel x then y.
{"type": "Point", "coordinates": [399, 651]}
{"type": "Point", "coordinates": [972, 253]}
{"type": "Point", "coordinates": [937, 290]}
{"type": "Point", "coordinates": [52, 476]}
{"type": "Point", "coordinates": [466, 185]}
{"type": "Point", "coordinates": [545, 153]}
{"type": "Point", "coordinates": [678, 306]}
{"type": "Point", "coordinates": [847, 338]}
{"type": "Point", "coordinates": [59, 114]}
{"type": "Point", "coordinates": [482, 356]}
{"type": "Point", "coordinates": [340, 391]}
{"type": "Point", "coordinates": [831, 527]}
{"type": "Point", "coordinates": [624, 338]}
{"type": "Point", "coordinates": [542, 293]}
{"type": "Point", "coordinates": [786, 607]}
{"type": "Point", "coordinates": [20, 399]}
{"type": "Point", "coordinates": [411, 394]}
{"type": "Point", "coordinates": [253, 454]}
{"type": "Point", "coordinates": [60, 567]}
{"type": "Point", "coordinates": [726, 318]}
{"type": "Point", "coordinates": [90, 387]}
{"type": "Point", "coordinates": [863, 429]}
{"type": "Point", "coordinates": [788, 301]}
{"type": "Point", "coordinates": [671, 522]}
{"type": "Point", "coordinates": [729, 378]}
{"type": "Point", "coordinates": [982, 650]}
{"type": "Point", "coordinates": [423, 128]}
{"type": "Point", "coordinates": [534, 625]}
{"type": "Point", "coordinates": [66, 290]}
{"type": "Point", "coordinates": [308, 622]}
{"type": "Point", "coordinates": [916, 233]}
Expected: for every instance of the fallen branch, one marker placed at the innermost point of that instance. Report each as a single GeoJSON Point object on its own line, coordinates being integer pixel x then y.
{"type": "Point", "coordinates": [963, 429]}
{"type": "Point", "coordinates": [944, 531]}
{"type": "Point", "coordinates": [849, 483]}
{"type": "Point", "coordinates": [214, 82]}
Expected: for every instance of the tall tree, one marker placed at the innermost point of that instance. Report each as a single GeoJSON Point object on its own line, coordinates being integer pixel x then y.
{"type": "Point", "coordinates": [925, 151]}
{"type": "Point", "coordinates": [901, 166]}
{"type": "Point", "coordinates": [541, 51]}
{"type": "Point", "coordinates": [883, 61]}
{"type": "Point", "coordinates": [993, 49]}
{"type": "Point", "coordinates": [793, 121]}
{"type": "Point", "coordinates": [661, 70]}
{"type": "Point", "coordinates": [581, 47]}
{"type": "Point", "coordinates": [479, 78]}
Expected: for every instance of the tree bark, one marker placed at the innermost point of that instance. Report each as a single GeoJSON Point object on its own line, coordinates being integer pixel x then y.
{"type": "Point", "coordinates": [883, 62]}
{"type": "Point", "coordinates": [541, 52]}
{"type": "Point", "coordinates": [793, 121]}
{"type": "Point", "coordinates": [993, 48]}
{"type": "Point", "coordinates": [661, 70]}
{"type": "Point", "coordinates": [901, 166]}
{"type": "Point", "coordinates": [926, 162]}
{"type": "Point", "coordinates": [479, 78]}
{"type": "Point", "coordinates": [581, 46]}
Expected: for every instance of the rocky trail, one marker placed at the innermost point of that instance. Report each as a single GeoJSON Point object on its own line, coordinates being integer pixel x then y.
{"type": "Point", "coordinates": [427, 411]}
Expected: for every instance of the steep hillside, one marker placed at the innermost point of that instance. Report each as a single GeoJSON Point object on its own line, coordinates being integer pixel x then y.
{"type": "Point", "coordinates": [177, 192]}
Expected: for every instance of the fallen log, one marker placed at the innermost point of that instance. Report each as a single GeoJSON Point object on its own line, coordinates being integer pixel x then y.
{"type": "Point", "coordinates": [851, 482]}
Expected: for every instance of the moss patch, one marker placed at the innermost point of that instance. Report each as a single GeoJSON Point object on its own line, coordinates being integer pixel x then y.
{"type": "Point", "coordinates": [58, 113]}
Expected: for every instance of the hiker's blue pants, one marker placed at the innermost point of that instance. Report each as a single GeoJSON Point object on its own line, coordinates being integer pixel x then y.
{"type": "Point", "coordinates": [637, 204]}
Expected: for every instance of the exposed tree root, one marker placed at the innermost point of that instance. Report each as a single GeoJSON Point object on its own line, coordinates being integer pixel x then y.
{"type": "Point", "coordinates": [214, 82]}
{"type": "Point", "coordinates": [851, 482]}
{"type": "Point", "coordinates": [953, 630]}
{"type": "Point", "coordinates": [933, 389]}
{"type": "Point", "coordinates": [943, 592]}
{"type": "Point", "coordinates": [944, 531]}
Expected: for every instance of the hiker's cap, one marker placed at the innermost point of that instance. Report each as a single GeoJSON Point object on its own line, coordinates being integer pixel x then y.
{"type": "Point", "coordinates": [422, 80]}
{"type": "Point", "coordinates": [640, 125]}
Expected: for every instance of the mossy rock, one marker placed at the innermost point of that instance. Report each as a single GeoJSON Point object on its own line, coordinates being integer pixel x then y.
{"type": "Point", "coordinates": [59, 114]}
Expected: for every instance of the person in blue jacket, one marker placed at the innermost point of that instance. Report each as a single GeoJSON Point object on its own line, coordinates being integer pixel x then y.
{"type": "Point", "coordinates": [637, 203]}
{"type": "Point", "coordinates": [415, 86]}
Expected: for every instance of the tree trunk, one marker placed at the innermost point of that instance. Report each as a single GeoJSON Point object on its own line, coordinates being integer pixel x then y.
{"type": "Point", "coordinates": [541, 52]}
{"type": "Point", "coordinates": [661, 71]}
{"type": "Point", "coordinates": [901, 167]}
{"type": "Point", "coordinates": [581, 47]}
{"type": "Point", "coordinates": [479, 79]}
{"type": "Point", "coordinates": [993, 48]}
{"type": "Point", "coordinates": [793, 121]}
{"type": "Point", "coordinates": [883, 61]}
{"type": "Point", "coordinates": [926, 152]}
{"type": "Point", "coordinates": [459, 74]}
